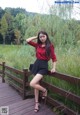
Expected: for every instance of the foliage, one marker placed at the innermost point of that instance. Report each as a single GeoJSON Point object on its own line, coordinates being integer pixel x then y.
{"type": "Point", "coordinates": [4, 27]}
{"type": "Point", "coordinates": [17, 35]}
{"type": "Point", "coordinates": [20, 56]}
{"type": "Point", "coordinates": [63, 31]}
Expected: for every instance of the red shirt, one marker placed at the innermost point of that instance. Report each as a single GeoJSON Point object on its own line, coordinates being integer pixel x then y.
{"type": "Point", "coordinates": [41, 52]}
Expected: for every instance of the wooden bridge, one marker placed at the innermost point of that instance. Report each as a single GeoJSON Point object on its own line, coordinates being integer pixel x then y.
{"type": "Point", "coordinates": [16, 94]}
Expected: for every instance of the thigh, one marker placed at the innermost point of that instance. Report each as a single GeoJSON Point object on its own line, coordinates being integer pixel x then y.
{"type": "Point", "coordinates": [37, 78]}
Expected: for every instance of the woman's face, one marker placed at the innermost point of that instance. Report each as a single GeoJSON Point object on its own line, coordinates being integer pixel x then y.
{"type": "Point", "coordinates": [42, 38]}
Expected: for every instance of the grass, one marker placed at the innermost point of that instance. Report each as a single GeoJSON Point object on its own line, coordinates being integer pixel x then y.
{"type": "Point", "coordinates": [21, 56]}
{"type": "Point", "coordinates": [68, 61]}
{"type": "Point", "coordinates": [16, 56]}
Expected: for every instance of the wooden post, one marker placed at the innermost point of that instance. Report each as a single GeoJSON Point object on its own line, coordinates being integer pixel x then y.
{"type": "Point", "coordinates": [3, 72]}
{"type": "Point", "coordinates": [25, 79]}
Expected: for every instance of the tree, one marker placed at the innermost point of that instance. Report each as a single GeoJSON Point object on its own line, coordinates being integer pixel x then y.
{"type": "Point", "coordinates": [4, 28]}
{"type": "Point", "coordinates": [17, 35]}
{"type": "Point", "coordinates": [21, 23]}
{"type": "Point", "coordinates": [10, 30]}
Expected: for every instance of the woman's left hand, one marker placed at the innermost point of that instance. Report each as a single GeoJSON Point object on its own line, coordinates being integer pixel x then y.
{"type": "Point", "coordinates": [53, 70]}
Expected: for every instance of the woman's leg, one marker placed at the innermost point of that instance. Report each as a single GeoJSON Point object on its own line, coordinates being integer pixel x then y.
{"type": "Point", "coordinates": [36, 93]}
{"type": "Point", "coordinates": [34, 82]}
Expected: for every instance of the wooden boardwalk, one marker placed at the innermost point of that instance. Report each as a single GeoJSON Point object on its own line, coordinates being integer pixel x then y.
{"type": "Point", "coordinates": [11, 98]}
{"type": "Point", "coordinates": [26, 107]}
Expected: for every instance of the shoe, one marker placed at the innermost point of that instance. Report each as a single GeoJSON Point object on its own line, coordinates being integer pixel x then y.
{"type": "Point", "coordinates": [37, 105]}
{"type": "Point", "coordinates": [44, 95]}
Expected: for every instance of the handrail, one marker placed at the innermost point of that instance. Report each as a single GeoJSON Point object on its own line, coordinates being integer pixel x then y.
{"type": "Point", "coordinates": [14, 70]}
{"type": "Point", "coordinates": [68, 78]}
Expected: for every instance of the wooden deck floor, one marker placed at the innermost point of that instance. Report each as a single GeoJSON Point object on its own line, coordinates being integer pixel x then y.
{"type": "Point", "coordinates": [8, 95]}
{"type": "Point", "coordinates": [11, 98]}
{"type": "Point", "coordinates": [26, 107]}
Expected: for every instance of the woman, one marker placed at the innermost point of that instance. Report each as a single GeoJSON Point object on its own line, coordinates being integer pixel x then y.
{"type": "Point", "coordinates": [44, 52]}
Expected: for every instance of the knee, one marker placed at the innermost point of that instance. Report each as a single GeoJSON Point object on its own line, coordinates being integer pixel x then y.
{"type": "Point", "coordinates": [32, 84]}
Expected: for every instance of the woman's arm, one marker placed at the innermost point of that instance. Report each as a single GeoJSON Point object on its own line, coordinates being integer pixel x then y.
{"type": "Point", "coordinates": [53, 67]}
{"type": "Point", "coordinates": [31, 38]}
{"type": "Point", "coordinates": [30, 42]}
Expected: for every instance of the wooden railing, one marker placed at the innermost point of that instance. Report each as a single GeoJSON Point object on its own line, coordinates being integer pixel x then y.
{"type": "Point", "coordinates": [16, 78]}
{"type": "Point", "coordinates": [21, 78]}
{"type": "Point", "coordinates": [66, 94]}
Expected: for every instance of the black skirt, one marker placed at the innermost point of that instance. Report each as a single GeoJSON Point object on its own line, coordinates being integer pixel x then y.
{"type": "Point", "coordinates": [39, 67]}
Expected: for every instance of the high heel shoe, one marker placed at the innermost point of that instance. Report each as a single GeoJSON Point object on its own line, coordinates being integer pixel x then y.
{"type": "Point", "coordinates": [37, 107]}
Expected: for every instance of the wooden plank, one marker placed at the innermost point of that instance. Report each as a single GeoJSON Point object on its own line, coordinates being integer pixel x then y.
{"type": "Point", "coordinates": [14, 70]}
{"type": "Point", "coordinates": [61, 106]}
{"type": "Point", "coordinates": [10, 100]}
{"type": "Point", "coordinates": [15, 86]}
{"type": "Point", "coordinates": [66, 94]}
{"type": "Point", "coordinates": [8, 95]}
{"type": "Point", "coordinates": [30, 111]}
{"type": "Point", "coordinates": [26, 107]}
{"type": "Point", "coordinates": [20, 108]}
{"type": "Point", "coordinates": [20, 103]}
{"type": "Point", "coordinates": [14, 78]}
{"type": "Point", "coordinates": [3, 85]}
{"type": "Point", "coordinates": [6, 90]}
{"type": "Point", "coordinates": [70, 79]}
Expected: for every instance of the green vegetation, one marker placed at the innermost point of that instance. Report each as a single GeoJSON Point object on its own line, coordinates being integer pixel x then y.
{"type": "Point", "coordinates": [20, 56]}
{"type": "Point", "coordinates": [16, 25]}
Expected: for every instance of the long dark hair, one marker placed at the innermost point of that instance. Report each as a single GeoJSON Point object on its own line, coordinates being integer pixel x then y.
{"type": "Point", "coordinates": [47, 42]}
